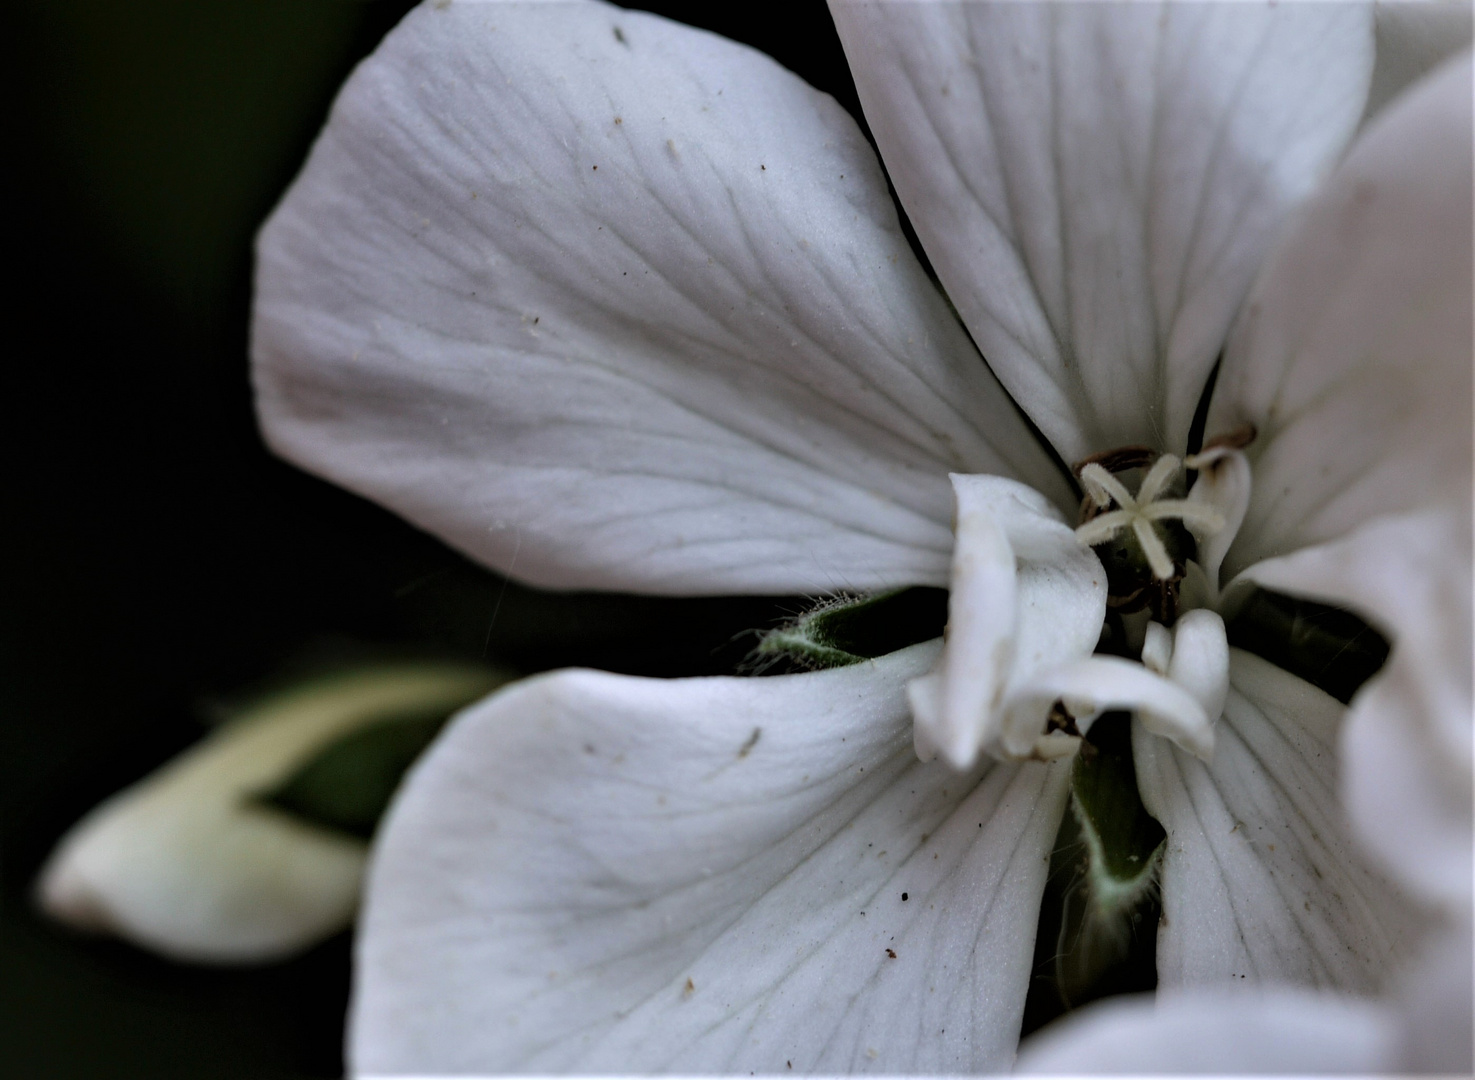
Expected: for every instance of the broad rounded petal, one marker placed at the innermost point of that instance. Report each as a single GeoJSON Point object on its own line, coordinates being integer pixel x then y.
{"type": "Point", "coordinates": [1413, 38]}
{"type": "Point", "coordinates": [1353, 356]}
{"type": "Point", "coordinates": [1026, 596]}
{"type": "Point", "coordinates": [185, 862]}
{"type": "Point", "coordinates": [596, 873]}
{"type": "Point", "coordinates": [1261, 881]}
{"type": "Point", "coordinates": [1410, 733]}
{"type": "Point", "coordinates": [1097, 184]}
{"type": "Point", "coordinates": [608, 302]}
{"type": "Point", "coordinates": [1290, 1032]}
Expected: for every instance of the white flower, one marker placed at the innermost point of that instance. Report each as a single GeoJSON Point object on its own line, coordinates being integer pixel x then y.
{"type": "Point", "coordinates": [606, 302]}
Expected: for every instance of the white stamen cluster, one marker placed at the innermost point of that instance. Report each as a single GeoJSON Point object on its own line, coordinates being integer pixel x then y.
{"type": "Point", "coordinates": [1142, 511]}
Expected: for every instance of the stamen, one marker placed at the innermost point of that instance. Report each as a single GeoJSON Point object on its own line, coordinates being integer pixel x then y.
{"type": "Point", "coordinates": [1103, 488]}
{"type": "Point", "coordinates": [1192, 514]}
{"type": "Point", "coordinates": [1158, 477]}
{"type": "Point", "coordinates": [1153, 547]}
{"type": "Point", "coordinates": [1101, 529]}
{"type": "Point", "coordinates": [1202, 517]}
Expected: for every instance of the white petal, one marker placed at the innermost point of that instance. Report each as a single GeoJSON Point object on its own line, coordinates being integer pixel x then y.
{"type": "Point", "coordinates": [1288, 1032]}
{"type": "Point", "coordinates": [1157, 648]}
{"type": "Point", "coordinates": [1096, 184]}
{"type": "Point", "coordinates": [1408, 742]}
{"type": "Point", "coordinates": [1026, 596]}
{"type": "Point", "coordinates": [1261, 882]}
{"type": "Point", "coordinates": [1200, 662]}
{"type": "Point", "coordinates": [1224, 485]}
{"type": "Point", "coordinates": [597, 873]}
{"type": "Point", "coordinates": [184, 862]}
{"type": "Point", "coordinates": [608, 302]}
{"type": "Point", "coordinates": [1353, 356]}
{"type": "Point", "coordinates": [1097, 684]}
{"type": "Point", "coordinates": [1413, 37]}
{"type": "Point", "coordinates": [1436, 996]}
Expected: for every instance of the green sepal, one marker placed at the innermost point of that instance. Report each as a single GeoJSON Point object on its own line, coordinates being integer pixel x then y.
{"type": "Point", "coordinates": [848, 629]}
{"type": "Point", "coordinates": [1098, 919]}
{"type": "Point", "coordinates": [347, 784]}
{"type": "Point", "coordinates": [1123, 841]}
{"type": "Point", "coordinates": [1330, 648]}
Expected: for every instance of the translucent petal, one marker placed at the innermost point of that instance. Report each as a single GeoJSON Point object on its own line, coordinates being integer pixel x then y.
{"type": "Point", "coordinates": [1352, 359]}
{"type": "Point", "coordinates": [1286, 1032]}
{"type": "Point", "coordinates": [1096, 184]}
{"type": "Point", "coordinates": [596, 873]}
{"type": "Point", "coordinates": [608, 302]}
{"type": "Point", "coordinates": [1262, 882]}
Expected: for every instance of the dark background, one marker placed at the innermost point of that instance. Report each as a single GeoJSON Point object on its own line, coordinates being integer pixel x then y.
{"type": "Point", "coordinates": [161, 562]}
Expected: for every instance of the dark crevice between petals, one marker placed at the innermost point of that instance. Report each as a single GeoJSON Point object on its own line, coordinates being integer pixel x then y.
{"type": "Point", "coordinates": [1331, 649]}
{"type": "Point", "coordinates": [1097, 933]}
{"type": "Point", "coordinates": [1200, 420]}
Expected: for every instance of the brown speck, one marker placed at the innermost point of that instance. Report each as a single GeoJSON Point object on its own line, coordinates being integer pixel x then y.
{"type": "Point", "coordinates": [689, 989]}
{"type": "Point", "coordinates": [747, 747]}
{"type": "Point", "coordinates": [763, 167]}
{"type": "Point", "coordinates": [1270, 846]}
{"type": "Point", "coordinates": [619, 120]}
{"type": "Point", "coordinates": [596, 168]}
{"type": "Point", "coordinates": [891, 953]}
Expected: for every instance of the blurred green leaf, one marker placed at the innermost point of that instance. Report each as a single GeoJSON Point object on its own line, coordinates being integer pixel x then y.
{"type": "Point", "coordinates": [347, 784]}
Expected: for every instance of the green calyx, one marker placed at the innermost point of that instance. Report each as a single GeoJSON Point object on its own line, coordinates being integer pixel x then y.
{"type": "Point", "coordinates": [1099, 915]}
{"type": "Point", "coordinates": [848, 629]}
{"type": "Point", "coordinates": [1123, 841]}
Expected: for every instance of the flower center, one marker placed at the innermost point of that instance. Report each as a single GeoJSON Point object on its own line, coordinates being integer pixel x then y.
{"type": "Point", "coordinates": [1144, 541]}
